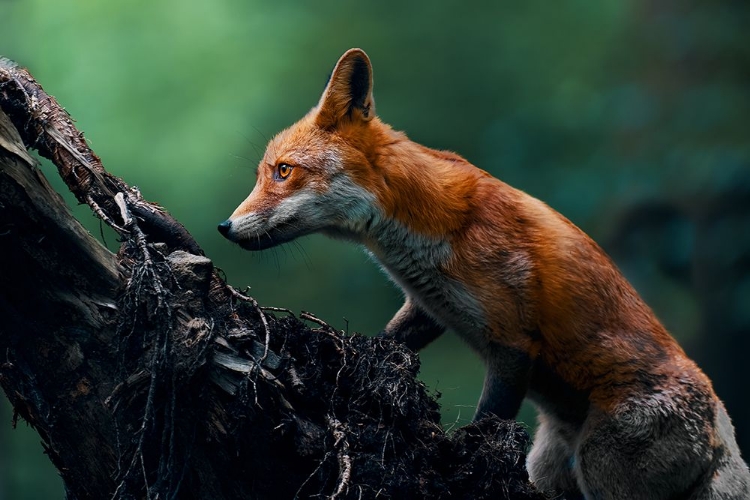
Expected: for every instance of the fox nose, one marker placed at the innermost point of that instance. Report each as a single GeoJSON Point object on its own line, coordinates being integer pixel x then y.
{"type": "Point", "coordinates": [224, 227]}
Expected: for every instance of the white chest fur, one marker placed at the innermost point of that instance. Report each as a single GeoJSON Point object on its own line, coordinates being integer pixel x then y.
{"type": "Point", "coordinates": [416, 264]}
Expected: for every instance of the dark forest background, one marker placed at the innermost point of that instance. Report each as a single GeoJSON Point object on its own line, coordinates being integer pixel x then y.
{"type": "Point", "coordinates": [632, 118]}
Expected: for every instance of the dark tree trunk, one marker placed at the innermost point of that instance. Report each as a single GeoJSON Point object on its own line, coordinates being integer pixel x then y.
{"type": "Point", "coordinates": [147, 376]}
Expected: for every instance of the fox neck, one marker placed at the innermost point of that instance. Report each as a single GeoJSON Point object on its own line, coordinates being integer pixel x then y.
{"type": "Point", "coordinates": [425, 200]}
{"type": "Point", "coordinates": [416, 191]}
{"type": "Point", "coordinates": [417, 199]}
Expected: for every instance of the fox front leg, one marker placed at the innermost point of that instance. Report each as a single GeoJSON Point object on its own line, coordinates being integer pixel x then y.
{"type": "Point", "coordinates": [413, 326]}
{"type": "Point", "coordinates": [506, 380]}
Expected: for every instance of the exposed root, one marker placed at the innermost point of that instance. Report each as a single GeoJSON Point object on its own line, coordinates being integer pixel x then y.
{"type": "Point", "coordinates": [144, 272]}
{"type": "Point", "coordinates": [246, 298]}
{"type": "Point", "coordinates": [387, 438]}
{"type": "Point", "coordinates": [147, 301]}
{"type": "Point", "coordinates": [103, 216]}
{"type": "Point", "coordinates": [345, 462]}
{"type": "Point", "coordinates": [311, 317]}
{"type": "Point", "coordinates": [279, 309]}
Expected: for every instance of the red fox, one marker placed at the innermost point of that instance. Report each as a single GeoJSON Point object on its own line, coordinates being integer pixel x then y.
{"type": "Point", "coordinates": [623, 412]}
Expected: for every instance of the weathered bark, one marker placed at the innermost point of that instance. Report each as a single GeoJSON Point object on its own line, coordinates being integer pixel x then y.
{"type": "Point", "coordinates": [147, 376]}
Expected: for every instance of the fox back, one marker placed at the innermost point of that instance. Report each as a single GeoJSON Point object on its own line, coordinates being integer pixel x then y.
{"type": "Point", "coordinates": [623, 412]}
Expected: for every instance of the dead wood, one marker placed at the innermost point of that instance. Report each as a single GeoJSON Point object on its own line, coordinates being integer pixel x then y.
{"type": "Point", "coordinates": [147, 376]}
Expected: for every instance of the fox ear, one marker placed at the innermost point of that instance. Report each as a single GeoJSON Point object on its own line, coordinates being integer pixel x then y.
{"type": "Point", "coordinates": [348, 94]}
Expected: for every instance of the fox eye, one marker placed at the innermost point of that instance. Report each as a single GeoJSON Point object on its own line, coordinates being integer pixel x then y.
{"type": "Point", "coordinates": [283, 170]}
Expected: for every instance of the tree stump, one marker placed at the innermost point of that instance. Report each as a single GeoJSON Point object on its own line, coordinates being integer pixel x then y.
{"type": "Point", "coordinates": [147, 376]}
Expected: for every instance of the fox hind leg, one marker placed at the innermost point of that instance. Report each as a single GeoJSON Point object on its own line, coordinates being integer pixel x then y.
{"type": "Point", "coordinates": [551, 460]}
{"type": "Point", "coordinates": [641, 452]}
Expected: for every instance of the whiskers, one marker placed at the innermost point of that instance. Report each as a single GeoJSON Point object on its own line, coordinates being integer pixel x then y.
{"type": "Point", "coordinates": [294, 246]}
{"type": "Point", "coordinates": [257, 148]}
{"type": "Point", "coordinates": [278, 254]}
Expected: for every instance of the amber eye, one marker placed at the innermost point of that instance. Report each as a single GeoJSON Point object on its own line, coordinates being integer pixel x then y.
{"type": "Point", "coordinates": [283, 170]}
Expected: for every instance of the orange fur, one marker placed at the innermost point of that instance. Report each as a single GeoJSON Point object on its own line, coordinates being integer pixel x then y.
{"type": "Point", "coordinates": [586, 314]}
{"type": "Point", "coordinates": [537, 298]}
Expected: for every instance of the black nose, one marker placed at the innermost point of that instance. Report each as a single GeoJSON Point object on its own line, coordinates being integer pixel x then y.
{"type": "Point", "coordinates": [225, 226]}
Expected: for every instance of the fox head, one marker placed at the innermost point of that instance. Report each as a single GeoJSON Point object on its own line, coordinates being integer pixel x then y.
{"type": "Point", "coordinates": [311, 176]}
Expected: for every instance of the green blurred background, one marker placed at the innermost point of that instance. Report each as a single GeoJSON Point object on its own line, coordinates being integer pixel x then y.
{"type": "Point", "coordinates": [630, 117]}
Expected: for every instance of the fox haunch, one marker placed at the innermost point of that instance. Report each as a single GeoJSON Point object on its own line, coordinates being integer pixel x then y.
{"type": "Point", "coordinates": [623, 412]}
